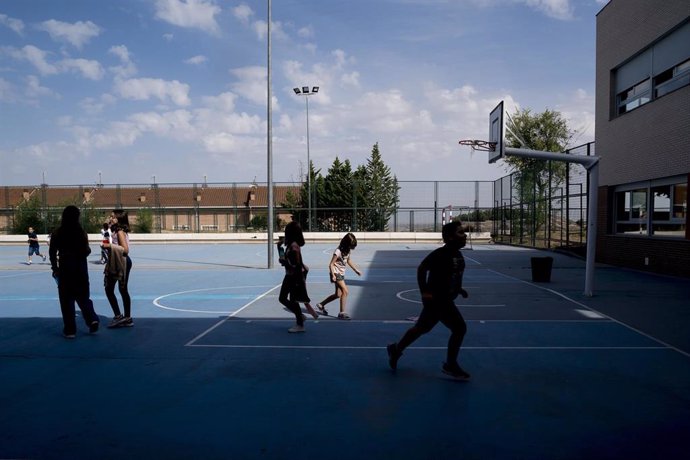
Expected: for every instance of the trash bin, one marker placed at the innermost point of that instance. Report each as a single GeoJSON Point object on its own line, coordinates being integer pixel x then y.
{"type": "Point", "coordinates": [541, 269]}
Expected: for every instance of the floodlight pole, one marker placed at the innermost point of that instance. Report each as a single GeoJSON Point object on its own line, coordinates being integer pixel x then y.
{"type": "Point", "coordinates": [306, 98]}
{"type": "Point", "coordinates": [269, 142]}
{"type": "Point", "coordinates": [591, 164]}
{"type": "Point", "coordinates": [306, 92]}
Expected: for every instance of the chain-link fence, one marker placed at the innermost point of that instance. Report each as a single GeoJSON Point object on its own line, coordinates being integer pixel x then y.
{"type": "Point", "coordinates": [240, 207]}
{"type": "Point", "coordinates": [548, 209]}
{"type": "Point", "coordinates": [544, 209]}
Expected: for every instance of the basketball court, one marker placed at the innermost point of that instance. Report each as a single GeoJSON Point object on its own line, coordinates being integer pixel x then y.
{"type": "Point", "coordinates": [209, 370]}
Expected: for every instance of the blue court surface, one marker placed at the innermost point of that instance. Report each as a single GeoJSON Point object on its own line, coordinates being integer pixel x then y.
{"type": "Point", "coordinates": [209, 370]}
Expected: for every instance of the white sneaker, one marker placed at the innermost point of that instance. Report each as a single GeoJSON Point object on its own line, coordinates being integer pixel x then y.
{"type": "Point", "coordinates": [29, 263]}
{"type": "Point", "coordinates": [44, 258]}
{"type": "Point", "coordinates": [295, 329]}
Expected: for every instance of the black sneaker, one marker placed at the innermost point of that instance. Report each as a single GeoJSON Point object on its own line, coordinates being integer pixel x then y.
{"type": "Point", "coordinates": [116, 321]}
{"type": "Point", "coordinates": [455, 371]}
{"type": "Point", "coordinates": [93, 327]}
{"type": "Point", "coordinates": [393, 355]}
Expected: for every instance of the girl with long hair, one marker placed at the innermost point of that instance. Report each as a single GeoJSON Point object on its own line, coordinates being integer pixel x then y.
{"type": "Point", "coordinates": [293, 291]}
{"type": "Point", "coordinates": [339, 262]}
{"type": "Point", "coordinates": [118, 268]}
{"type": "Point", "coordinates": [69, 248]}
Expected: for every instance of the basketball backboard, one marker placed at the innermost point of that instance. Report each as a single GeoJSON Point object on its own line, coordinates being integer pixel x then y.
{"type": "Point", "coordinates": [496, 133]}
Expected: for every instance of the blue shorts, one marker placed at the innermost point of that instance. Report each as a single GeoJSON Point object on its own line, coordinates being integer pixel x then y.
{"type": "Point", "coordinates": [33, 250]}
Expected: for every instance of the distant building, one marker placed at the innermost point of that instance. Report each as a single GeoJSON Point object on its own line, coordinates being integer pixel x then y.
{"type": "Point", "coordinates": [643, 134]}
{"type": "Point", "coordinates": [185, 208]}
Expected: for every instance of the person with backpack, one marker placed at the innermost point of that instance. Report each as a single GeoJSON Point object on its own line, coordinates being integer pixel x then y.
{"type": "Point", "coordinates": [293, 290]}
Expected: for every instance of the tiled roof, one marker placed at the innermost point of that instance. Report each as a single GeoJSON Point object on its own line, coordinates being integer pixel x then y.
{"type": "Point", "coordinates": [167, 196]}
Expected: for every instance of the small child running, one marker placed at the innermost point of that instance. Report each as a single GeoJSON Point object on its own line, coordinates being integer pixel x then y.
{"type": "Point", "coordinates": [339, 261]}
{"type": "Point", "coordinates": [105, 239]}
{"type": "Point", "coordinates": [440, 281]}
{"type": "Point", "coordinates": [34, 247]}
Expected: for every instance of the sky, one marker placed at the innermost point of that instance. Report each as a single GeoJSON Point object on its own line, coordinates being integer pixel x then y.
{"type": "Point", "coordinates": [175, 91]}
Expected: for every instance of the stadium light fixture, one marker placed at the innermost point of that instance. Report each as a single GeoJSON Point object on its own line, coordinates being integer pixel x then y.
{"type": "Point", "coordinates": [306, 92]}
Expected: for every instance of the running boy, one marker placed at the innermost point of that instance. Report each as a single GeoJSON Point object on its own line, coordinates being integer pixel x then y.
{"type": "Point", "coordinates": [34, 247]}
{"type": "Point", "coordinates": [440, 281]}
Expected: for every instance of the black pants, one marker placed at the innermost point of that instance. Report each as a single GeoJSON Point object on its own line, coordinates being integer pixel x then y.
{"type": "Point", "coordinates": [122, 286]}
{"type": "Point", "coordinates": [448, 314]}
{"type": "Point", "coordinates": [69, 292]}
{"type": "Point", "coordinates": [284, 298]}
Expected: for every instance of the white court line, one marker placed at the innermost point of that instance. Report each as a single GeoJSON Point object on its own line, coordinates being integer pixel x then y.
{"type": "Point", "coordinates": [24, 274]}
{"type": "Point", "coordinates": [644, 334]}
{"type": "Point", "coordinates": [347, 347]}
{"type": "Point", "coordinates": [158, 304]}
{"type": "Point", "coordinates": [472, 260]}
{"type": "Point", "coordinates": [400, 296]}
{"type": "Point", "coordinates": [191, 342]}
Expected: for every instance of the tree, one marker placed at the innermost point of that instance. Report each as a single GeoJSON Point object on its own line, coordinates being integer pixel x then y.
{"type": "Point", "coordinates": [144, 222]}
{"type": "Point", "coordinates": [534, 179]}
{"type": "Point", "coordinates": [338, 193]}
{"type": "Point", "coordinates": [380, 192]}
{"type": "Point", "coordinates": [29, 213]}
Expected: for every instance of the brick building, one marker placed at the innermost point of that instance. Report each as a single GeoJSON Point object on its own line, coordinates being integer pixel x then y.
{"type": "Point", "coordinates": [643, 134]}
{"type": "Point", "coordinates": [186, 207]}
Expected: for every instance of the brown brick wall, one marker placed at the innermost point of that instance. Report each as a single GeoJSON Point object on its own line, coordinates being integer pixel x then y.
{"type": "Point", "coordinates": [650, 142]}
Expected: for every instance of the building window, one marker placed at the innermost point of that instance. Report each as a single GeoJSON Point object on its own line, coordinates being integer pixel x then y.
{"type": "Point", "coordinates": [659, 209]}
{"type": "Point", "coordinates": [655, 71]}
{"type": "Point", "coordinates": [634, 97]}
{"type": "Point", "coordinates": [631, 212]}
{"type": "Point", "coordinates": [672, 79]}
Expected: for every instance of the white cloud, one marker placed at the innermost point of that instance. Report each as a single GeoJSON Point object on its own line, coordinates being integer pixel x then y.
{"type": "Point", "coordinates": [34, 90]}
{"type": "Point", "coordinates": [127, 68]}
{"type": "Point", "coordinates": [118, 134]}
{"type": "Point", "coordinates": [224, 102]}
{"type": "Point", "coordinates": [176, 124]}
{"type": "Point", "coordinates": [243, 13]}
{"type": "Point", "coordinates": [168, 37]}
{"type": "Point", "coordinates": [77, 34]}
{"type": "Point", "coordinates": [35, 56]}
{"type": "Point", "coordinates": [196, 60]}
{"type": "Point", "coordinates": [141, 89]}
{"type": "Point", "coordinates": [251, 84]}
{"type": "Point", "coordinates": [558, 9]}
{"type": "Point", "coordinates": [196, 14]}
{"type": "Point", "coordinates": [87, 68]}
{"type": "Point", "coordinates": [16, 25]}
{"type": "Point", "coordinates": [350, 79]}
{"type": "Point", "coordinates": [306, 32]}
{"type": "Point", "coordinates": [39, 59]}
{"type": "Point", "coordinates": [7, 91]}
{"type": "Point", "coordinates": [261, 29]}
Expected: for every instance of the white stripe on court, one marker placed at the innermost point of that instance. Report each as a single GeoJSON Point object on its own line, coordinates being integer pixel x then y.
{"type": "Point", "coordinates": [589, 314]}
{"type": "Point", "coordinates": [347, 347]}
{"type": "Point", "coordinates": [595, 311]}
{"type": "Point", "coordinates": [191, 342]}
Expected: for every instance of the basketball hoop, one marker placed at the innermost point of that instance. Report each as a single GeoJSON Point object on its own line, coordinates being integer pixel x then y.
{"type": "Point", "coordinates": [476, 144]}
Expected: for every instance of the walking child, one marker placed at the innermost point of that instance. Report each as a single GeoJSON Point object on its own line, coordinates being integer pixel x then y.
{"type": "Point", "coordinates": [118, 268]}
{"type": "Point", "coordinates": [34, 247]}
{"type": "Point", "coordinates": [68, 251]}
{"type": "Point", "coordinates": [439, 277]}
{"type": "Point", "coordinates": [293, 291]}
{"type": "Point", "coordinates": [105, 239]}
{"type": "Point", "coordinates": [340, 260]}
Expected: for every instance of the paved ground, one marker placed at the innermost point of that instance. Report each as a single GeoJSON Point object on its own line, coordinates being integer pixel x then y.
{"type": "Point", "coordinates": [209, 370]}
